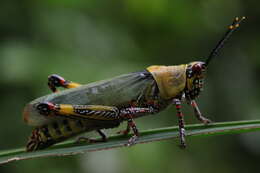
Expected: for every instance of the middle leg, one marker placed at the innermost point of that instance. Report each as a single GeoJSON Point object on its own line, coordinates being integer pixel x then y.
{"type": "Point", "coordinates": [129, 114]}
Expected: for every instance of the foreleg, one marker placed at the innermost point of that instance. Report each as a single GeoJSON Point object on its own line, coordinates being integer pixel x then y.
{"type": "Point", "coordinates": [198, 113]}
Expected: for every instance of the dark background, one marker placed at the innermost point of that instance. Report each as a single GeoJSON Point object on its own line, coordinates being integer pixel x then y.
{"type": "Point", "coordinates": [86, 41]}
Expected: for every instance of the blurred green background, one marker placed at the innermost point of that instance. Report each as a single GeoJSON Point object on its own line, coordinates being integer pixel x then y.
{"type": "Point", "coordinates": [86, 41]}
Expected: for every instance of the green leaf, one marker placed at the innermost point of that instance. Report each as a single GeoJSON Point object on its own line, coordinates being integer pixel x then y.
{"type": "Point", "coordinates": [70, 148]}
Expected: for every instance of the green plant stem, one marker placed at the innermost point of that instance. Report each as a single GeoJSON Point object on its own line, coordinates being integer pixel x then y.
{"type": "Point", "coordinates": [196, 130]}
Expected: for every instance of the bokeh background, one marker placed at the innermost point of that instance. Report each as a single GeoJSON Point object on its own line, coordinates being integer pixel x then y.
{"type": "Point", "coordinates": [86, 41]}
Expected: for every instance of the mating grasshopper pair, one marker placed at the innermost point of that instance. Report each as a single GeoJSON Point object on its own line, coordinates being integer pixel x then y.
{"type": "Point", "coordinates": [105, 104]}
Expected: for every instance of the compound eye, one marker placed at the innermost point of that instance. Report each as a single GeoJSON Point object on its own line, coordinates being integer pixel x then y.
{"type": "Point", "coordinates": [197, 68]}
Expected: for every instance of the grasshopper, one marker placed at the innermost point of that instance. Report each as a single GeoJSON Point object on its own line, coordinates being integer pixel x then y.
{"type": "Point", "coordinates": [105, 104]}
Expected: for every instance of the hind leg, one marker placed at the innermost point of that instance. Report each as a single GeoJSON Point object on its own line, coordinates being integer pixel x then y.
{"type": "Point", "coordinates": [96, 112]}
{"type": "Point", "coordinates": [55, 81]}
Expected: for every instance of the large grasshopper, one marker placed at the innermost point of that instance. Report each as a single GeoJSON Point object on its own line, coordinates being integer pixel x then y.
{"type": "Point", "coordinates": [105, 104]}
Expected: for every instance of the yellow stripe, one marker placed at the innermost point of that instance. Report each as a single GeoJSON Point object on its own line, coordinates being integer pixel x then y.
{"type": "Point", "coordinates": [73, 85]}
{"type": "Point", "coordinates": [99, 108]}
{"type": "Point", "coordinates": [74, 127]}
{"type": "Point", "coordinates": [66, 109]}
{"type": "Point", "coordinates": [43, 137]}
{"type": "Point", "coordinates": [52, 132]}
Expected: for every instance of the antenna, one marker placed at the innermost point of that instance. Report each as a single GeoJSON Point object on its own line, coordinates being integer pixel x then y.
{"type": "Point", "coordinates": [221, 42]}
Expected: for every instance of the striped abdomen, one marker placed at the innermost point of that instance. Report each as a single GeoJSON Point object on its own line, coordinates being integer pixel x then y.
{"type": "Point", "coordinates": [57, 131]}
{"type": "Point", "coordinates": [60, 130]}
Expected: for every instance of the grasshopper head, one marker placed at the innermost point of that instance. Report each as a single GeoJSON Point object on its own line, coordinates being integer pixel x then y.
{"type": "Point", "coordinates": [195, 73]}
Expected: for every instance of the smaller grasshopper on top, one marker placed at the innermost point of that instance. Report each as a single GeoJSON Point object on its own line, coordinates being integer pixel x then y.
{"type": "Point", "coordinates": [105, 104]}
